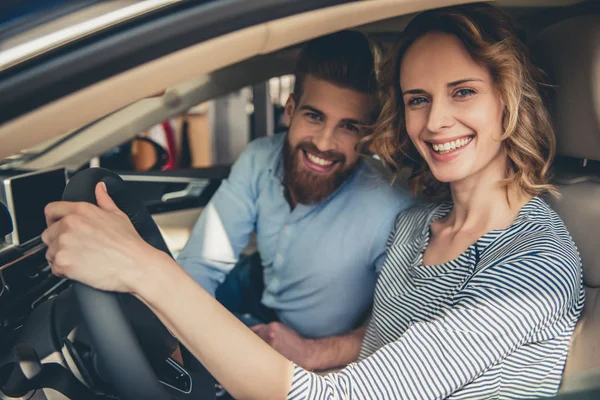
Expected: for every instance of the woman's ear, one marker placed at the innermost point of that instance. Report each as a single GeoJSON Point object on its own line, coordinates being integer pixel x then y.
{"type": "Point", "coordinates": [288, 112]}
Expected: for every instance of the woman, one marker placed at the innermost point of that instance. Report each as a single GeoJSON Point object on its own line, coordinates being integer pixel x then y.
{"type": "Point", "coordinates": [479, 294]}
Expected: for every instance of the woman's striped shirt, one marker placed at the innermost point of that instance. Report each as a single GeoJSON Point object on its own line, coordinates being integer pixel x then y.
{"type": "Point", "coordinates": [494, 323]}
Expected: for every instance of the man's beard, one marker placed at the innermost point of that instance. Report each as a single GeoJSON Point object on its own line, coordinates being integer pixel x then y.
{"type": "Point", "coordinates": [305, 186]}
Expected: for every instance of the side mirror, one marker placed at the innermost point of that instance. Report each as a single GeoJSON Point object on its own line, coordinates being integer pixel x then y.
{"type": "Point", "coordinates": [6, 225]}
{"type": "Point", "coordinates": [138, 154]}
{"type": "Point", "coordinates": [147, 155]}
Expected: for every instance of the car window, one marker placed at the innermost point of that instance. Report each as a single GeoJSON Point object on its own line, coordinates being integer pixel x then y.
{"type": "Point", "coordinates": [211, 133]}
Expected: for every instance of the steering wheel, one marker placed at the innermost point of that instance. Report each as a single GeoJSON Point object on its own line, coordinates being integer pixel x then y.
{"type": "Point", "coordinates": [128, 338]}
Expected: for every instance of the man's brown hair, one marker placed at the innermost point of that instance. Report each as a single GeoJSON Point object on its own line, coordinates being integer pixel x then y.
{"type": "Point", "coordinates": [343, 58]}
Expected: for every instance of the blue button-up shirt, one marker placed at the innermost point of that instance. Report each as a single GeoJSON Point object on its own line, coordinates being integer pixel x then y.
{"type": "Point", "coordinates": [320, 261]}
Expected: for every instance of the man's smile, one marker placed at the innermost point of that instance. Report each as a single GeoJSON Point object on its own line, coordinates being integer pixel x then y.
{"type": "Point", "coordinates": [318, 164]}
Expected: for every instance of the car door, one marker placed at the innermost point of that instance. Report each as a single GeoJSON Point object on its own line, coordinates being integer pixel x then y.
{"type": "Point", "coordinates": [176, 198]}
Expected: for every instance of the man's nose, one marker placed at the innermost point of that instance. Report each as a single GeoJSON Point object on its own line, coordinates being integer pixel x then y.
{"type": "Point", "coordinates": [440, 116]}
{"type": "Point", "coordinates": [324, 139]}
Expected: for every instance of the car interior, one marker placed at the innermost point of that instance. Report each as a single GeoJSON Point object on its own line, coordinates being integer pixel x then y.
{"type": "Point", "coordinates": [63, 340]}
{"type": "Point", "coordinates": [575, 110]}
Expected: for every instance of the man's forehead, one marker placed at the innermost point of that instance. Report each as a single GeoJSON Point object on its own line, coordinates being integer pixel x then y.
{"type": "Point", "coordinates": [335, 101]}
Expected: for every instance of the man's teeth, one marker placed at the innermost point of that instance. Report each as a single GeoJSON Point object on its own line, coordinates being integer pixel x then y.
{"type": "Point", "coordinates": [443, 148]}
{"type": "Point", "coordinates": [318, 160]}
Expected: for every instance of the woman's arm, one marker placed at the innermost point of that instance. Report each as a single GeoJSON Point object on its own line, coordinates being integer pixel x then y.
{"type": "Point", "coordinates": [240, 361]}
{"type": "Point", "coordinates": [99, 246]}
{"type": "Point", "coordinates": [494, 315]}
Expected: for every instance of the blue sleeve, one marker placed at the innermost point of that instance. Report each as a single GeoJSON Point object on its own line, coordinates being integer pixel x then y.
{"type": "Point", "coordinates": [224, 227]}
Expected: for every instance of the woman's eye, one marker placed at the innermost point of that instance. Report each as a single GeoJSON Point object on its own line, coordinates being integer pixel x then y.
{"type": "Point", "coordinates": [464, 92]}
{"type": "Point", "coordinates": [416, 101]}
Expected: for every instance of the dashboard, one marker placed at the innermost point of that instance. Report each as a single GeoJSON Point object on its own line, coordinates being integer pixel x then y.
{"type": "Point", "coordinates": [25, 276]}
{"type": "Point", "coordinates": [25, 196]}
{"type": "Point", "coordinates": [26, 281]}
{"type": "Point", "coordinates": [39, 322]}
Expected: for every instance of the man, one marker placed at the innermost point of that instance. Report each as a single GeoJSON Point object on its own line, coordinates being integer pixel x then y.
{"type": "Point", "coordinates": [320, 214]}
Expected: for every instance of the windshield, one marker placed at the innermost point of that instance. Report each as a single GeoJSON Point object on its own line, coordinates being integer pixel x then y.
{"type": "Point", "coordinates": [29, 28]}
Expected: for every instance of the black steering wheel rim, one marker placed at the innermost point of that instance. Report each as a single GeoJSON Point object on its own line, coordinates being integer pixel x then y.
{"type": "Point", "coordinates": [121, 358]}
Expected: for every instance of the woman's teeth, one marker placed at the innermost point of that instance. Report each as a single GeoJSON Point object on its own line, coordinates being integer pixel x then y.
{"type": "Point", "coordinates": [443, 148]}
{"type": "Point", "coordinates": [318, 160]}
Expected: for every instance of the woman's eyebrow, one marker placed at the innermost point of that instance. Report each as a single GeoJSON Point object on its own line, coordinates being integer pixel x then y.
{"type": "Point", "coordinates": [414, 91]}
{"type": "Point", "coordinates": [461, 81]}
{"type": "Point", "coordinates": [450, 85]}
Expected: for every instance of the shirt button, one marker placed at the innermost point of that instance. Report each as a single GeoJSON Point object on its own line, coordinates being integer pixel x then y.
{"type": "Point", "coordinates": [279, 258]}
{"type": "Point", "coordinates": [287, 229]}
{"type": "Point", "coordinates": [275, 283]}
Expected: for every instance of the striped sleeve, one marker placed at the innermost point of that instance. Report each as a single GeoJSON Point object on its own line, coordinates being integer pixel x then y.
{"type": "Point", "coordinates": [498, 311]}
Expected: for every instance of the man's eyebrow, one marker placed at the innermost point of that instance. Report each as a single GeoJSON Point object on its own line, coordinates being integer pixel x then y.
{"type": "Point", "coordinates": [450, 85]}
{"type": "Point", "coordinates": [344, 120]}
{"type": "Point", "coordinates": [353, 121]}
{"type": "Point", "coordinates": [311, 108]}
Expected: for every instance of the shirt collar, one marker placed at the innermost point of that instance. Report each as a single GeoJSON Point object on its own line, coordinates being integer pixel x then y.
{"type": "Point", "coordinates": [276, 164]}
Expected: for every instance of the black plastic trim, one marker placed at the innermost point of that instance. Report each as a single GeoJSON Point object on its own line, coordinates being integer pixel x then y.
{"type": "Point", "coordinates": [39, 81]}
{"type": "Point", "coordinates": [213, 172]}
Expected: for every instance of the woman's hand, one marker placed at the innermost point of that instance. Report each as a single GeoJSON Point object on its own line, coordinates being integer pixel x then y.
{"type": "Point", "coordinates": [96, 245]}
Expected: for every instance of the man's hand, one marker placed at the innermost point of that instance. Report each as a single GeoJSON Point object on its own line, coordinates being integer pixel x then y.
{"type": "Point", "coordinates": [288, 343]}
{"type": "Point", "coordinates": [96, 245]}
{"type": "Point", "coordinates": [312, 354]}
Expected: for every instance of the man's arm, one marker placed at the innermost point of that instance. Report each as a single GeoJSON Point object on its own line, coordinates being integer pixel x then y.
{"type": "Point", "coordinates": [224, 227]}
{"type": "Point", "coordinates": [313, 354]}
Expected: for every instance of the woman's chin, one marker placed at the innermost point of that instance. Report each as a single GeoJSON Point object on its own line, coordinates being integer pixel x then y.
{"type": "Point", "coordinates": [448, 176]}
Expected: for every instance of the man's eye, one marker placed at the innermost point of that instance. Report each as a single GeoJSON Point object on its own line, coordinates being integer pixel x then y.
{"type": "Point", "coordinates": [464, 92]}
{"type": "Point", "coordinates": [314, 116]}
{"type": "Point", "coordinates": [416, 101]}
{"type": "Point", "coordinates": [351, 127]}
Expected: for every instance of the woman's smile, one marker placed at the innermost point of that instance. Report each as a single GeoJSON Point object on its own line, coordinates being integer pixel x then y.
{"type": "Point", "coordinates": [444, 150]}
{"type": "Point", "coordinates": [453, 112]}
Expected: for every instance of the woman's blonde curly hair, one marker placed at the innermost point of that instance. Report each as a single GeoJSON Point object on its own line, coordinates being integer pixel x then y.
{"type": "Point", "coordinates": [493, 40]}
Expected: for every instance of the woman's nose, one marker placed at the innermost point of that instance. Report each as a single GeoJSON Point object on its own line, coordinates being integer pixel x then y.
{"type": "Point", "coordinates": [440, 117]}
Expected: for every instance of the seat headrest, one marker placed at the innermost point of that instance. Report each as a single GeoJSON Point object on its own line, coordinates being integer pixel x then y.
{"type": "Point", "coordinates": [580, 210]}
{"type": "Point", "coordinates": [569, 52]}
